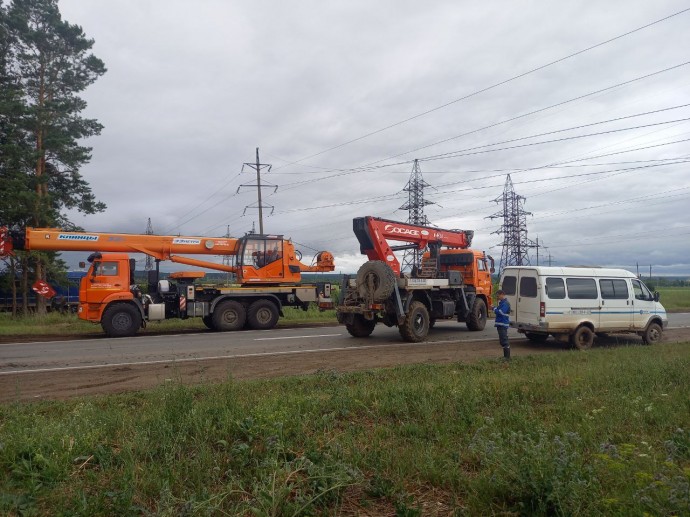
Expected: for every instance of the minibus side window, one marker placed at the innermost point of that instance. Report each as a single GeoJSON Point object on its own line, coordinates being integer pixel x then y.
{"type": "Point", "coordinates": [581, 288]}
{"type": "Point", "coordinates": [613, 289]}
{"type": "Point", "coordinates": [509, 284]}
{"type": "Point", "coordinates": [528, 287]}
{"type": "Point", "coordinates": [641, 291]}
{"type": "Point", "coordinates": [555, 288]}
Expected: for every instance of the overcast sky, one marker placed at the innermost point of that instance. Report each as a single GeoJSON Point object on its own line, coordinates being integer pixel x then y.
{"type": "Point", "coordinates": [193, 88]}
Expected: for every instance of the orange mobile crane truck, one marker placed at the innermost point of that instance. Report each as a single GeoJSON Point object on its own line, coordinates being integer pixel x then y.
{"type": "Point", "coordinates": [452, 282]}
{"type": "Point", "coordinates": [267, 268]}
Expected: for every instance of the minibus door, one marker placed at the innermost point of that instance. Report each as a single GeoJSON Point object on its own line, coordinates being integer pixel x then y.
{"type": "Point", "coordinates": [527, 306]}
{"type": "Point", "coordinates": [643, 304]}
{"type": "Point", "coordinates": [616, 304]}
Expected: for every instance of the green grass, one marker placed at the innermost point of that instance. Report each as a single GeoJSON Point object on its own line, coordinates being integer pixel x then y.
{"type": "Point", "coordinates": [67, 324]}
{"type": "Point", "coordinates": [675, 298]}
{"type": "Point", "coordinates": [600, 433]}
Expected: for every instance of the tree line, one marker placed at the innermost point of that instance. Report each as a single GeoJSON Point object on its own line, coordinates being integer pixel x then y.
{"type": "Point", "coordinates": [45, 64]}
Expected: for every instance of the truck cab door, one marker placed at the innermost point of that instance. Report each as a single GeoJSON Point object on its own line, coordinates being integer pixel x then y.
{"type": "Point", "coordinates": [105, 278]}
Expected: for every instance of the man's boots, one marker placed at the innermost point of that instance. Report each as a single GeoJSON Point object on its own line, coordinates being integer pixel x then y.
{"type": "Point", "coordinates": [506, 353]}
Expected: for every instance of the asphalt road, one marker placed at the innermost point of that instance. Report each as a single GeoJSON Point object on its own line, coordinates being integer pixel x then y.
{"type": "Point", "coordinates": [151, 350]}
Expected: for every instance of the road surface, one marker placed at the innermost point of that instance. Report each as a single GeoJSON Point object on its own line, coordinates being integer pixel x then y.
{"type": "Point", "coordinates": [60, 369]}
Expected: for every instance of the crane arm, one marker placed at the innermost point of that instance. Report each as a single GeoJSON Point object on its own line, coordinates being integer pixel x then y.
{"type": "Point", "coordinates": [374, 233]}
{"type": "Point", "coordinates": [159, 246]}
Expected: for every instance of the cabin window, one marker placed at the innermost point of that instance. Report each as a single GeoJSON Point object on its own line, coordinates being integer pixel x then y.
{"type": "Point", "coordinates": [582, 288]}
{"type": "Point", "coordinates": [106, 269]}
{"type": "Point", "coordinates": [481, 265]}
{"type": "Point", "coordinates": [509, 284]}
{"type": "Point", "coordinates": [614, 289]}
{"type": "Point", "coordinates": [555, 288]}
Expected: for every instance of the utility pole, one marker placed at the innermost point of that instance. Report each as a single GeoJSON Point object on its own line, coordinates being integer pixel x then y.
{"type": "Point", "coordinates": [537, 251]}
{"type": "Point", "coordinates": [227, 259]}
{"type": "Point", "coordinates": [149, 259]}
{"type": "Point", "coordinates": [549, 259]}
{"type": "Point", "coordinates": [258, 166]}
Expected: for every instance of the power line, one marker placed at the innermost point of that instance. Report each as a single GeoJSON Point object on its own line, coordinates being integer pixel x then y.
{"type": "Point", "coordinates": [375, 165]}
{"type": "Point", "coordinates": [488, 88]}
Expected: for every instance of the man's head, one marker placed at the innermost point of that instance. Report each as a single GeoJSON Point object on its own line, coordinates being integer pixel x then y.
{"type": "Point", "coordinates": [500, 295]}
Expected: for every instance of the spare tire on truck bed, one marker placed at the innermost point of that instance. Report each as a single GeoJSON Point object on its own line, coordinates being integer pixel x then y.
{"type": "Point", "coordinates": [375, 280]}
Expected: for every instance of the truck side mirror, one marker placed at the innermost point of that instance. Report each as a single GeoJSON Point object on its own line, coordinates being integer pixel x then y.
{"type": "Point", "coordinates": [656, 296]}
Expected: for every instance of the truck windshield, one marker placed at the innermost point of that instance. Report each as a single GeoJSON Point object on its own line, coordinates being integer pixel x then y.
{"type": "Point", "coordinates": [261, 252]}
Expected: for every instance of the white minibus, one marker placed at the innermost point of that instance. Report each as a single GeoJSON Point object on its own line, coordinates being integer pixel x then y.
{"type": "Point", "coordinates": [576, 303]}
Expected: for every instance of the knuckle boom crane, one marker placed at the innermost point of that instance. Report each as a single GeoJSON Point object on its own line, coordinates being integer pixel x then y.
{"type": "Point", "coordinates": [268, 270]}
{"type": "Point", "coordinates": [452, 281]}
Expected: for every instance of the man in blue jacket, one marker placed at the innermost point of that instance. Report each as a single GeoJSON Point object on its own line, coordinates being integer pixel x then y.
{"type": "Point", "coordinates": [502, 310]}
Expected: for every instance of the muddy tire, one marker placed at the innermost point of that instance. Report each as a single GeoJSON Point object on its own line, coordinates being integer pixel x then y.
{"type": "Point", "coordinates": [652, 334]}
{"type": "Point", "coordinates": [262, 315]}
{"type": "Point", "coordinates": [360, 326]}
{"type": "Point", "coordinates": [416, 325]}
{"type": "Point", "coordinates": [208, 321]}
{"type": "Point", "coordinates": [229, 315]}
{"type": "Point", "coordinates": [477, 317]}
{"type": "Point", "coordinates": [536, 337]}
{"type": "Point", "coordinates": [582, 338]}
{"type": "Point", "coordinates": [375, 280]}
{"type": "Point", "coordinates": [121, 320]}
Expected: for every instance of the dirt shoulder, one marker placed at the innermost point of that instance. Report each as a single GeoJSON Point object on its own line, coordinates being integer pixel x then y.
{"type": "Point", "coordinates": [66, 383]}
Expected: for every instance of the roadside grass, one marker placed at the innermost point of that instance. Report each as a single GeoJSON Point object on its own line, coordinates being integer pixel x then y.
{"type": "Point", "coordinates": [67, 324]}
{"type": "Point", "coordinates": [675, 298]}
{"type": "Point", "coordinates": [605, 432]}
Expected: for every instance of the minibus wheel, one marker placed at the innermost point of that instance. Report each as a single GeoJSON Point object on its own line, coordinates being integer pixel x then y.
{"type": "Point", "coordinates": [652, 334]}
{"type": "Point", "coordinates": [582, 338]}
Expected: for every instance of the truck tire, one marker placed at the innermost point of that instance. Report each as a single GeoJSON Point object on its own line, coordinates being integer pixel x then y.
{"type": "Point", "coordinates": [582, 338]}
{"type": "Point", "coordinates": [652, 334]}
{"type": "Point", "coordinates": [262, 315]}
{"type": "Point", "coordinates": [536, 337]}
{"type": "Point", "coordinates": [477, 317]}
{"type": "Point", "coordinates": [121, 320]}
{"type": "Point", "coordinates": [416, 325]}
{"type": "Point", "coordinates": [208, 321]}
{"type": "Point", "coordinates": [229, 315]}
{"type": "Point", "coordinates": [381, 277]}
{"type": "Point", "coordinates": [360, 326]}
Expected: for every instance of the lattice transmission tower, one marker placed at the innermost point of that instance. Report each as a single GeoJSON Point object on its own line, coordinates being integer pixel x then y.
{"type": "Point", "coordinates": [149, 259]}
{"type": "Point", "coordinates": [415, 207]}
{"type": "Point", "coordinates": [514, 227]}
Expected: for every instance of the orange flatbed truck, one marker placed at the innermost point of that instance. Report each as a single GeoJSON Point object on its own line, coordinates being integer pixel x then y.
{"type": "Point", "coordinates": [268, 270]}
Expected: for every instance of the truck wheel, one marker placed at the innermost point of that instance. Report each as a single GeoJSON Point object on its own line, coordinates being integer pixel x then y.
{"type": "Point", "coordinates": [360, 326]}
{"type": "Point", "coordinates": [582, 338]}
{"type": "Point", "coordinates": [262, 315]}
{"type": "Point", "coordinates": [416, 325]}
{"type": "Point", "coordinates": [536, 337]}
{"type": "Point", "coordinates": [652, 334]}
{"type": "Point", "coordinates": [229, 315]}
{"type": "Point", "coordinates": [477, 318]}
{"type": "Point", "coordinates": [121, 320]}
{"type": "Point", "coordinates": [208, 321]}
{"type": "Point", "coordinates": [375, 280]}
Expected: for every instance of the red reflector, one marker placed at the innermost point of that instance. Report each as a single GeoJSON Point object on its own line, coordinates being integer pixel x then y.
{"type": "Point", "coordinates": [542, 309]}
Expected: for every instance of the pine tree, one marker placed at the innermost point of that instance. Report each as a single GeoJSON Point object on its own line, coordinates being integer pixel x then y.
{"type": "Point", "coordinates": [50, 63]}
